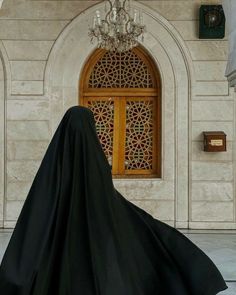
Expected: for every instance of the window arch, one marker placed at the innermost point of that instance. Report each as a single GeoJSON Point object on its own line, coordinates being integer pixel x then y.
{"type": "Point", "coordinates": [124, 92]}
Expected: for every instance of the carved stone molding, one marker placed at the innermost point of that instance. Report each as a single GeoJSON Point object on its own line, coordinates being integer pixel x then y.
{"type": "Point", "coordinates": [230, 12]}
{"type": "Point", "coordinates": [232, 79]}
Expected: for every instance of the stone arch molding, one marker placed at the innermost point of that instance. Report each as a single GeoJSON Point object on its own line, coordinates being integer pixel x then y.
{"type": "Point", "coordinates": [2, 137]}
{"type": "Point", "coordinates": [164, 44]}
{"type": "Point", "coordinates": [4, 90]}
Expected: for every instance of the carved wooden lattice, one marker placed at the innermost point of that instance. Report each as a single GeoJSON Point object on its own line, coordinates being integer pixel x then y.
{"type": "Point", "coordinates": [122, 90]}
{"type": "Point", "coordinates": [120, 70]}
{"type": "Point", "coordinates": [104, 117]}
{"type": "Point", "coordinates": [139, 135]}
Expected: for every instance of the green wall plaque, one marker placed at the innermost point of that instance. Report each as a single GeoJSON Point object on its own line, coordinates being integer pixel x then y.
{"type": "Point", "coordinates": [211, 22]}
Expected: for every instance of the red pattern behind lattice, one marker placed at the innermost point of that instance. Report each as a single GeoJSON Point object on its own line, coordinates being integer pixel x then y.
{"type": "Point", "coordinates": [139, 135]}
{"type": "Point", "coordinates": [104, 117]}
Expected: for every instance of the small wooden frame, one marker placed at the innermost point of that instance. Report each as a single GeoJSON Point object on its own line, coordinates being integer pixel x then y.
{"type": "Point", "coordinates": [214, 141]}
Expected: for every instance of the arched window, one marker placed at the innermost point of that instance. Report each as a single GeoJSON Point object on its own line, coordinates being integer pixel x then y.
{"type": "Point", "coordinates": [124, 92]}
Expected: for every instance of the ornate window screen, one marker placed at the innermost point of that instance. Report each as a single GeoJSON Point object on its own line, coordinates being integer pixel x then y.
{"type": "Point", "coordinates": [124, 94]}
{"type": "Point", "coordinates": [139, 135]}
{"type": "Point", "coordinates": [103, 111]}
{"type": "Point", "coordinates": [120, 70]}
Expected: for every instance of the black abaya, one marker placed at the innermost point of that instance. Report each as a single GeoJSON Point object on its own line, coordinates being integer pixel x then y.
{"type": "Point", "coordinates": [77, 235]}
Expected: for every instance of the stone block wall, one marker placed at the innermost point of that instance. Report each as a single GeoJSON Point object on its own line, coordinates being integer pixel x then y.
{"type": "Point", "coordinates": [29, 31]}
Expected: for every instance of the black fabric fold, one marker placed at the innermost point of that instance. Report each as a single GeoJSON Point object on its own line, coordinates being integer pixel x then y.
{"type": "Point", "coordinates": [77, 235]}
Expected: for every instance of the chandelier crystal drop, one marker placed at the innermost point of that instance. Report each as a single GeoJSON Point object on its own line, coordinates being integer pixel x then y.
{"type": "Point", "coordinates": [121, 29]}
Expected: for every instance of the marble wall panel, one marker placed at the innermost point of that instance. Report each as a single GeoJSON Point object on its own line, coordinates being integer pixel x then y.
{"type": "Point", "coordinates": [212, 88]}
{"type": "Point", "coordinates": [15, 29]}
{"type": "Point", "coordinates": [22, 170]}
{"type": "Point", "coordinates": [52, 10]}
{"type": "Point", "coordinates": [208, 50]}
{"type": "Point", "coordinates": [26, 150]}
{"type": "Point", "coordinates": [212, 211]}
{"type": "Point", "coordinates": [13, 209]}
{"type": "Point", "coordinates": [27, 87]}
{"type": "Point", "coordinates": [222, 171]}
{"type": "Point", "coordinates": [210, 70]}
{"type": "Point", "coordinates": [27, 50]}
{"type": "Point", "coordinates": [27, 70]}
{"type": "Point", "coordinates": [212, 110]}
{"type": "Point", "coordinates": [27, 110]}
{"type": "Point", "coordinates": [212, 191]}
{"type": "Point", "coordinates": [18, 190]}
{"type": "Point", "coordinates": [198, 153]}
{"type": "Point", "coordinates": [28, 130]}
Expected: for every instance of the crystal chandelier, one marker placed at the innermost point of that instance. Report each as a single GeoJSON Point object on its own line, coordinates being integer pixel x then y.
{"type": "Point", "coordinates": [121, 29]}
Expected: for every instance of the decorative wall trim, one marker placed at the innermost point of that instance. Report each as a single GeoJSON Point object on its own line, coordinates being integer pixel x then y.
{"type": "Point", "coordinates": [212, 225]}
{"type": "Point", "coordinates": [229, 10]}
{"type": "Point", "coordinates": [232, 79]}
{"type": "Point", "coordinates": [4, 73]}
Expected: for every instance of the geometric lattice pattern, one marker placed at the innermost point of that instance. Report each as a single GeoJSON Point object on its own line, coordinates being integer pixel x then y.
{"type": "Point", "coordinates": [103, 112]}
{"type": "Point", "coordinates": [120, 70]}
{"type": "Point", "coordinates": [139, 135]}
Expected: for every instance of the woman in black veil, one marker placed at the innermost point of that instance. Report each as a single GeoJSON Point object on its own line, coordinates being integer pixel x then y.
{"type": "Point", "coordinates": [77, 235]}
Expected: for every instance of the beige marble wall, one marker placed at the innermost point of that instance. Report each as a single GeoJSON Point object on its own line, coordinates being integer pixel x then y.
{"type": "Point", "coordinates": [2, 144]}
{"type": "Point", "coordinates": [29, 32]}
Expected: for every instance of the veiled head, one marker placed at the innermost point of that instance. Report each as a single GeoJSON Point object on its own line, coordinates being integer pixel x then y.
{"type": "Point", "coordinates": [78, 116]}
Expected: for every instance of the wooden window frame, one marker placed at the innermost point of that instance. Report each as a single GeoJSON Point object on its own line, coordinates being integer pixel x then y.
{"type": "Point", "coordinates": [111, 93]}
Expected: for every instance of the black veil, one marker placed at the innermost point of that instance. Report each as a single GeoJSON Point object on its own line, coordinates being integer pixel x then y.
{"type": "Point", "coordinates": [77, 235]}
